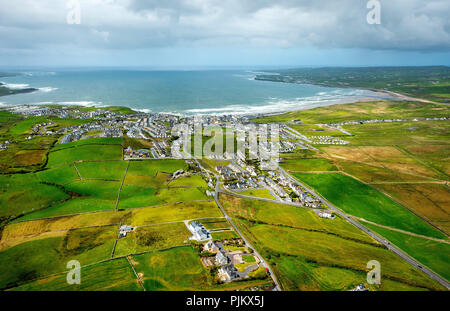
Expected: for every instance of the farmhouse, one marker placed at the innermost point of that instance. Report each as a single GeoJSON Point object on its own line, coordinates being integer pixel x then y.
{"type": "Point", "coordinates": [326, 215]}
{"type": "Point", "coordinates": [211, 247]}
{"type": "Point", "coordinates": [228, 273]}
{"type": "Point", "coordinates": [199, 232]}
{"type": "Point", "coordinates": [221, 258]}
{"type": "Point", "coordinates": [124, 229]}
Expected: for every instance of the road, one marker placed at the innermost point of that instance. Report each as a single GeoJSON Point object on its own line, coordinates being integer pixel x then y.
{"type": "Point", "coordinates": [247, 243]}
{"type": "Point", "coordinates": [381, 240]}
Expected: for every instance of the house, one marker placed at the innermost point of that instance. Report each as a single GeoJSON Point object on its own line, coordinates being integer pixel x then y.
{"type": "Point", "coordinates": [326, 215]}
{"type": "Point", "coordinates": [177, 173]}
{"type": "Point", "coordinates": [211, 247]}
{"type": "Point", "coordinates": [199, 232]}
{"type": "Point", "coordinates": [228, 273]}
{"type": "Point", "coordinates": [123, 230]}
{"type": "Point", "coordinates": [221, 258]}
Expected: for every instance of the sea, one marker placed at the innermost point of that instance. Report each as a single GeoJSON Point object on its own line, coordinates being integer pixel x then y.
{"type": "Point", "coordinates": [183, 92]}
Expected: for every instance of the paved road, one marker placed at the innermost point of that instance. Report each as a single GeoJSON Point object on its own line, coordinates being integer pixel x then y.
{"type": "Point", "coordinates": [247, 243]}
{"type": "Point", "coordinates": [389, 246]}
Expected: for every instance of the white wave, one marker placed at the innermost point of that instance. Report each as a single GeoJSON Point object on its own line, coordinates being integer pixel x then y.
{"type": "Point", "coordinates": [15, 86]}
{"type": "Point", "coordinates": [47, 89]}
{"type": "Point", "coordinates": [274, 105]}
{"type": "Point", "coordinates": [143, 110]}
{"type": "Point", "coordinates": [80, 103]}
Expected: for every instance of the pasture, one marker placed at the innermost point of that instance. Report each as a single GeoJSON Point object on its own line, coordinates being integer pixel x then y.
{"type": "Point", "coordinates": [361, 200]}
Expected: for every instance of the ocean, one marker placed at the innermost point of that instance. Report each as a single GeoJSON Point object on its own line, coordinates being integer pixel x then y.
{"type": "Point", "coordinates": [179, 92]}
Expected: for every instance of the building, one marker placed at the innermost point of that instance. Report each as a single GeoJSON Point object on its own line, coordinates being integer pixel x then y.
{"type": "Point", "coordinates": [211, 247]}
{"type": "Point", "coordinates": [228, 273]}
{"type": "Point", "coordinates": [124, 230]}
{"type": "Point", "coordinates": [199, 232]}
{"type": "Point", "coordinates": [221, 258]}
{"type": "Point", "coordinates": [326, 215]}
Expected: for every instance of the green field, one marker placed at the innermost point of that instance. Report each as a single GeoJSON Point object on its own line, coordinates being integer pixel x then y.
{"type": "Point", "coordinates": [224, 235]}
{"type": "Point", "coordinates": [152, 167]}
{"type": "Point", "coordinates": [90, 141]}
{"type": "Point", "coordinates": [155, 237]}
{"type": "Point", "coordinates": [102, 170]}
{"type": "Point", "coordinates": [189, 181]}
{"type": "Point", "coordinates": [136, 197]}
{"type": "Point", "coordinates": [306, 165]}
{"type": "Point", "coordinates": [70, 207]}
{"type": "Point", "coordinates": [23, 193]}
{"type": "Point", "coordinates": [84, 153]}
{"type": "Point", "coordinates": [175, 269]}
{"type": "Point", "coordinates": [173, 212]}
{"type": "Point", "coordinates": [360, 200]}
{"type": "Point", "coordinates": [297, 243]}
{"type": "Point", "coordinates": [43, 257]}
{"type": "Point", "coordinates": [433, 254]}
{"type": "Point", "coordinates": [61, 175]}
{"type": "Point", "coordinates": [260, 193]}
{"type": "Point", "coordinates": [279, 243]}
{"type": "Point", "coordinates": [114, 275]}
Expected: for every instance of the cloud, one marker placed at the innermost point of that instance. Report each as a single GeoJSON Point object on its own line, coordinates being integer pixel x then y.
{"type": "Point", "coordinates": [406, 25]}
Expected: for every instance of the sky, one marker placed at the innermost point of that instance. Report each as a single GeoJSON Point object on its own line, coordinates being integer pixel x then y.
{"type": "Point", "coordinates": [223, 33]}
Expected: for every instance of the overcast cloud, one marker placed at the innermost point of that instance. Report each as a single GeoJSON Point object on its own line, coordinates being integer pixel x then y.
{"type": "Point", "coordinates": [30, 30]}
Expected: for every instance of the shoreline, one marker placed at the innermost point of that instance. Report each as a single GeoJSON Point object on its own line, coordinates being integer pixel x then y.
{"type": "Point", "coordinates": [82, 105]}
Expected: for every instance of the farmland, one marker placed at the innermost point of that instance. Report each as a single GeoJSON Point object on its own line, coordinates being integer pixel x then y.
{"type": "Point", "coordinates": [297, 244]}
{"type": "Point", "coordinates": [347, 194]}
{"type": "Point", "coordinates": [431, 253]}
{"type": "Point", "coordinates": [114, 275]}
{"type": "Point", "coordinates": [69, 201]}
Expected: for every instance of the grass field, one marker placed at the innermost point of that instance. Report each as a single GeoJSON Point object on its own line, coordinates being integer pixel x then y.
{"type": "Point", "coordinates": [290, 216]}
{"type": "Point", "coordinates": [84, 153]}
{"type": "Point", "coordinates": [114, 170]}
{"type": "Point", "coordinates": [223, 235]}
{"type": "Point", "coordinates": [136, 197]}
{"type": "Point", "coordinates": [215, 223]}
{"type": "Point", "coordinates": [23, 193]}
{"type": "Point", "coordinates": [152, 167]}
{"type": "Point", "coordinates": [189, 181]}
{"type": "Point", "coordinates": [306, 165]}
{"type": "Point", "coordinates": [360, 200]}
{"type": "Point", "coordinates": [152, 238]}
{"type": "Point", "coordinates": [260, 193]}
{"type": "Point", "coordinates": [70, 207]}
{"type": "Point", "coordinates": [400, 133]}
{"type": "Point", "coordinates": [174, 212]}
{"type": "Point", "coordinates": [61, 175]}
{"type": "Point", "coordinates": [278, 243]}
{"type": "Point", "coordinates": [18, 230]}
{"type": "Point", "coordinates": [428, 200]}
{"type": "Point", "coordinates": [42, 257]}
{"type": "Point", "coordinates": [297, 243]}
{"type": "Point", "coordinates": [433, 254]}
{"type": "Point", "coordinates": [90, 141]}
{"type": "Point", "coordinates": [385, 157]}
{"type": "Point", "coordinates": [114, 275]}
{"type": "Point", "coordinates": [175, 269]}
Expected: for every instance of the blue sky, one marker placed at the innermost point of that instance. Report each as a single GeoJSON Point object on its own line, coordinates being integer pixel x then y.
{"type": "Point", "coordinates": [223, 33]}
